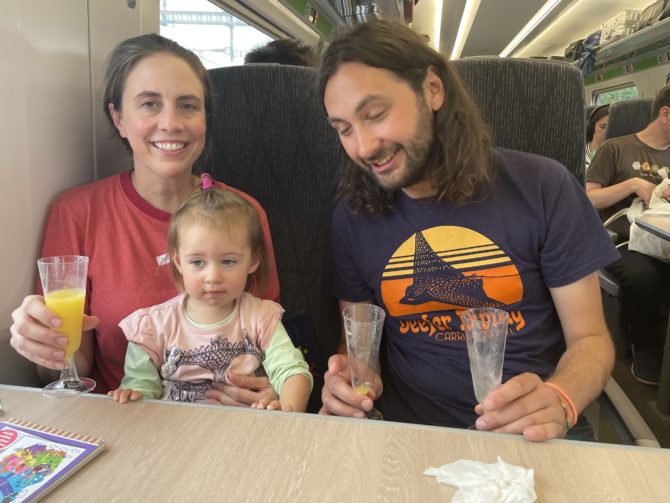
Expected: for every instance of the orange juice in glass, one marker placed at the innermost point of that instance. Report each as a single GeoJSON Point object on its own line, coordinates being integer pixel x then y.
{"type": "Point", "coordinates": [64, 284]}
{"type": "Point", "coordinates": [68, 304]}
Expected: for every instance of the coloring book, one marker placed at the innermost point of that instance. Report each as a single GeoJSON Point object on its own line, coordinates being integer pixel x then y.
{"type": "Point", "coordinates": [35, 458]}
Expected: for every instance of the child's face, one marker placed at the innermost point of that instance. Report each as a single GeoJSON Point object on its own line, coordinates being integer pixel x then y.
{"type": "Point", "coordinates": [214, 264]}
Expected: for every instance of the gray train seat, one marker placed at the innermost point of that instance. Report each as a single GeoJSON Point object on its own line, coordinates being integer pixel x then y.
{"type": "Point", "coordinates": [270, 138]}
{"type": "Point", "coordinates": [531, 105]}
{"type": "Point", "coordinates": [628, 117]}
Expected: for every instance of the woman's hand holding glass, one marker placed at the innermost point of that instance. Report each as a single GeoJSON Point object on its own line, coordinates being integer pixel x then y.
{"type": "Point", "coordinates": [35, 336]}
{"type": "Point", "coordinates": [64, 283]}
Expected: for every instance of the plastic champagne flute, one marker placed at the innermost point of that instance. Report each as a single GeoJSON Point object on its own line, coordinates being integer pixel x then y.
{"type": "Point", "coordinates": [64, 285]}
{"type": "Point", "coordinates": [363, 326]}
{"type": "Point", "coordinates": [485, 335]}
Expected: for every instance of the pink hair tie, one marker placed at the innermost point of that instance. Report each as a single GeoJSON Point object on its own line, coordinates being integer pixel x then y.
{"type": "Point", "coordinates": [206, 181]}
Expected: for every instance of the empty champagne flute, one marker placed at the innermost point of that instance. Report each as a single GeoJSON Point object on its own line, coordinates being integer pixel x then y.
{"type": "Point", "coordinates": [64, 285]}
{"type": "Point", "coordinates": [363, 326]}
{"type": "Point", "coordinates": [485, 335]}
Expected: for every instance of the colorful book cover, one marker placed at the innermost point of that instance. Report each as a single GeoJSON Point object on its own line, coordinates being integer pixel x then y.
{"type": "Point", "coordinates": [35, 458]}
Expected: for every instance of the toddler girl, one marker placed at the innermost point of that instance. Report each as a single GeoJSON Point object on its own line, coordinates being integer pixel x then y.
{"type": "Point", "coordinates": [179, 349]}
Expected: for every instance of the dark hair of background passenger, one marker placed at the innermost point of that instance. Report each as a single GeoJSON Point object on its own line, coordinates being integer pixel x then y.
{"type": "Point", "coordinates": [283, 51]}
{"type": "Point", "coordinates": [661, 100]}
{"type": "Point", "coordinates": [596, 114]}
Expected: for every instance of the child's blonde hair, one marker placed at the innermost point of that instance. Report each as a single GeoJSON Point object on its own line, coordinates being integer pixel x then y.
{"type": "Point", "coordinates": [222, 209]}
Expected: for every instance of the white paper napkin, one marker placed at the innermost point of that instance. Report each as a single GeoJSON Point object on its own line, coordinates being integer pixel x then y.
{"type": "Point", "coordinates": [487, 482]}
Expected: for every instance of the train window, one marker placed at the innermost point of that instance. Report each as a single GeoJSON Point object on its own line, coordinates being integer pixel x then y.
{"type": "Point", "coordinates": [623, 93]}
{"type": "Point", "coordinates": [216, 36]}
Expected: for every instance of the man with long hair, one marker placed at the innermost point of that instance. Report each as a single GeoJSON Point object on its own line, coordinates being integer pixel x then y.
{"type": "Point", "coordinates": [434, 220]}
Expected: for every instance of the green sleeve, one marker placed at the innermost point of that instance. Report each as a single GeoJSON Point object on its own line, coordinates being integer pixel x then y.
{"type": "Point", "coordinates": [283, 360]}
{"type": "Point", "coordinates": [140, 373]}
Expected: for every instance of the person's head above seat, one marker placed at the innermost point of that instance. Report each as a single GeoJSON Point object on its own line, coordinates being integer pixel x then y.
{"type": "Point", "coordinates": [284, 52]}
{"type": "Point", "coordinates": [403, 115]}
{"type": "Point", "coordinates": [596, 123]}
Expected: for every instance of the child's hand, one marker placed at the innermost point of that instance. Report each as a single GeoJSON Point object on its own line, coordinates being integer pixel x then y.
{"type": "Point", "coordinates": [271, 405]}
{"type": "Point", "coordinates": [123, 395]}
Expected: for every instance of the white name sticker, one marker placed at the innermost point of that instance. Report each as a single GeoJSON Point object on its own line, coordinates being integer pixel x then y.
{"type": "Point", "coordinates": [163, 259]}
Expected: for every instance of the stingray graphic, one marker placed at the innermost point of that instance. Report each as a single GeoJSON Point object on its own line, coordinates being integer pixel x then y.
{"type": "Point", "coordinates": [435, 280]}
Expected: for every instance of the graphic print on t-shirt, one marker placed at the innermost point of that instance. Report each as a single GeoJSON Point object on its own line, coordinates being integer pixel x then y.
{"type": "Point", "coordinates": [448, 268]}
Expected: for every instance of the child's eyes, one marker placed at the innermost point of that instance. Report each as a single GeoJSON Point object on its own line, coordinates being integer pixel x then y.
{"type": "Point", "coordinates": [229, 262]}
{"type": "Point", "coordinates": [197, 262]}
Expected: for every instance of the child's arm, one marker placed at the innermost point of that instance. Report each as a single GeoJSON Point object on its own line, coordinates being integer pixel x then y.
{"type": "Point", "coordinates": [141, 378]}
{"type": "Point", "coordinates": [288, 373]}
{"type": "Point", "coordinates": [295, 393]}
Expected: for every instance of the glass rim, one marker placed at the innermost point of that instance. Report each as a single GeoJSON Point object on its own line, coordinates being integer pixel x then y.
{"type": "Point", "coordinates": [483, 309]}
{"type": "Point", "coordinates": [379, 313]}
{"type": "Point", "coordinates": [62, 259]}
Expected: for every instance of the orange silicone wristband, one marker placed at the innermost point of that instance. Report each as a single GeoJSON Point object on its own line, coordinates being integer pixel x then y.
{"type": "Point", "coordinates": [565, 399]}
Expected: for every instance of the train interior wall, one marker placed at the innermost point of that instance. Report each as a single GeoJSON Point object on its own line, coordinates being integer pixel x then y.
{"type": "Point", "coordinates": [54, 135]}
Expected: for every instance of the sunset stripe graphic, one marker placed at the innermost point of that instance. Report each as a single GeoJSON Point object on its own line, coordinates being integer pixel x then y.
{"type": "Point", "coordinates": [448, 267]}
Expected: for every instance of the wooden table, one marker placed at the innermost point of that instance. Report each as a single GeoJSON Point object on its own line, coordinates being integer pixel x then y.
{"type": "Point", "coordinates": [162, 451]}
{"type": "Point", "coordinates": [660, 226]}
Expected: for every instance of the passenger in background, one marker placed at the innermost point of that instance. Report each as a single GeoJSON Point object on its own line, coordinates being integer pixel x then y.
{"type": "Point", "coordinates": [283, 51]}
{"type": "Point", "coordinates": [157, 97]}
{"type": "Point", "coordinates": [435, 220]}
{"type": "Point", "coordinates": [623, 168]}
{"type": "Point", "coordinates": [596, 123]}
{"type": "Point", "coordinates": [179, 348]}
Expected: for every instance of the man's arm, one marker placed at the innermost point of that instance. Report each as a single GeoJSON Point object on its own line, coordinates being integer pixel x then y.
{"type": "Point", "coordinates": [587, 363]}
{"type": "Point", "coordinates": [524, 404]}
{"type": "Point", "coordinates": [604, 197]}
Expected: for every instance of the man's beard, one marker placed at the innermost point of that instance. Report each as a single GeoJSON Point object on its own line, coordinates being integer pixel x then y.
{"type": "Point", "coordinates": [417, 153]}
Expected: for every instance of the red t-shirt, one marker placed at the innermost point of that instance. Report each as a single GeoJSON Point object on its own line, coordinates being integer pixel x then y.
{"type": "Point", "coordinates": [126, 241]}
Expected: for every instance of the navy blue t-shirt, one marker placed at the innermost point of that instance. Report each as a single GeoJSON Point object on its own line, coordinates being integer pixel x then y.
{"type": "Point", "coordinates": [424, 261]}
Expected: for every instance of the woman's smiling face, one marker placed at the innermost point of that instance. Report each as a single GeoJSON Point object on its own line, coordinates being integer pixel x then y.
{"type": "Point", "coordinates": [162, 115]}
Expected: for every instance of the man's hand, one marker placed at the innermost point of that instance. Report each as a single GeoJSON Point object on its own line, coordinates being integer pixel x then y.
{"type": "Point", "coordinates": [524, 404]}
{"type": "Point", "coordinates": [338, 397]}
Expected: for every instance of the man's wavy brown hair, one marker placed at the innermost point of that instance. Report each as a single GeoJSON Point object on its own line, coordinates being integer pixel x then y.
{"type": "Point", "coordinates": [459, 162]}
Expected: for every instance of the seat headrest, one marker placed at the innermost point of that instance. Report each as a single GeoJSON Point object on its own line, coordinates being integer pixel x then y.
{"type": "Point", "coordinates": [628, 117]}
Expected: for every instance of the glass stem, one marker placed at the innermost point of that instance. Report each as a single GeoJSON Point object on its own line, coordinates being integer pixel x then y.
{"type": "Point", "coordinates": [69, 374]}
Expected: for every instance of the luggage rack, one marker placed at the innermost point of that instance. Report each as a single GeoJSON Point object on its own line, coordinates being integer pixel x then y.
{"type": "Point", "coordinates": [645, 40]}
